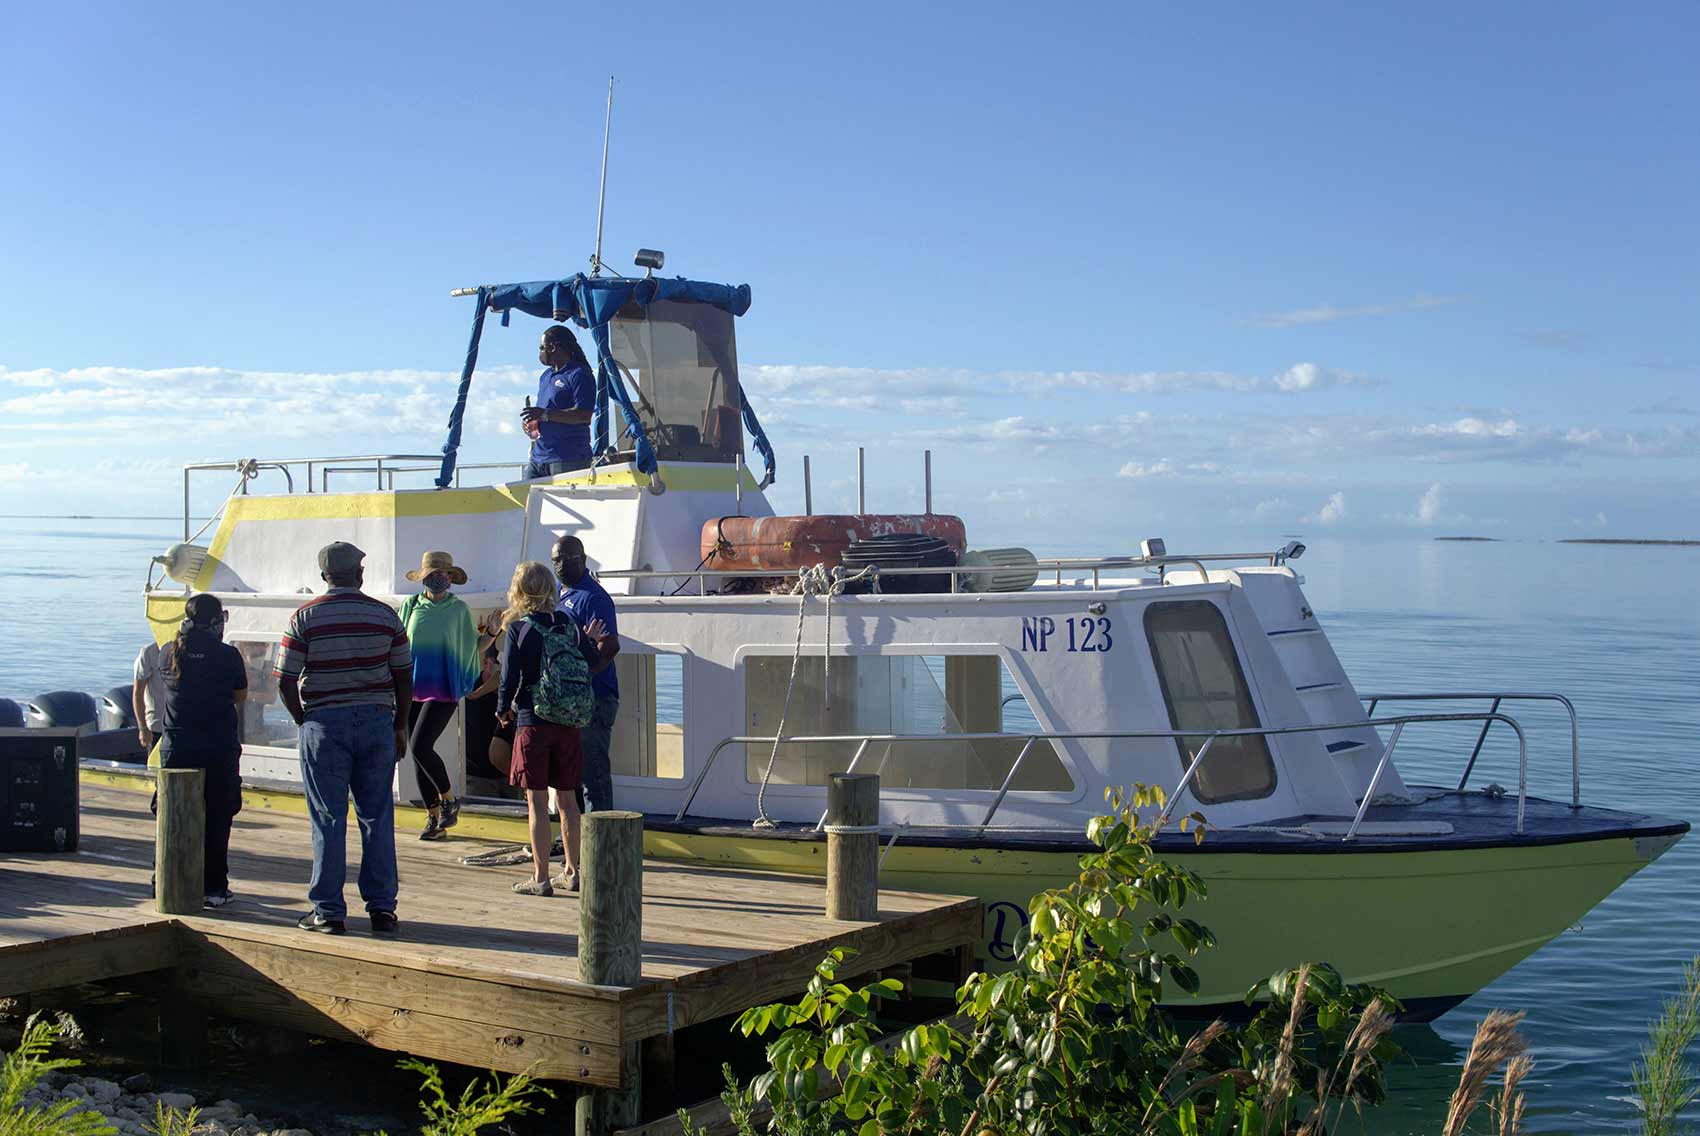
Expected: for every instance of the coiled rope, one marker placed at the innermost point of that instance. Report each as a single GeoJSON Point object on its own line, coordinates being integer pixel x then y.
{"type": "Point", "coordinates": [815, 580]}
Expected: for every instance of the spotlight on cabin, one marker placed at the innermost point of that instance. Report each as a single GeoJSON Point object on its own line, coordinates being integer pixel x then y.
{"type": "Point", "coordinates": [1292, 550]}
{"type": "Point", "coordinates": [650, 260]}
{"type": "Point", "coordinates": [1153, 547]}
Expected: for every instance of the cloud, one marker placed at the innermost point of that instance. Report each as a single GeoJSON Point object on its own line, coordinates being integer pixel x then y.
{"type": "Point", "coordinates": [1670, 405]}
{"type": "Point", "coordinates": [1333, 511]}
{"type": "Point", "coordinates": [1429, 509]}
{"type": "Point", "coordinates": [1328, 313]}
{"type": "Point", "coordinates": [876, 389]}
{"type": "Point", "coordinates": [1166, 468]}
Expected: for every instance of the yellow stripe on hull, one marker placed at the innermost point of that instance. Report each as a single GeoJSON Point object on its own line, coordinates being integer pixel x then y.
{"type": "Point", "coordinates": [1423, 924]}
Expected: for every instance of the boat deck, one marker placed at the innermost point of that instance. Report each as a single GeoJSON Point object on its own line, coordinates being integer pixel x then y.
{"type": "Point", "coordinates": [478, 975]}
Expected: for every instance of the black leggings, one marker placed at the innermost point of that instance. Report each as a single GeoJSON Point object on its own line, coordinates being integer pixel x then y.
{"type": "Point", "coordinates": [425, 724]}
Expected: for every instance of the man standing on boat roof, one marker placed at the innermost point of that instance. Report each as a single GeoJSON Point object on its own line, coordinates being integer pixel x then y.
{"type": "Point", "coordinates": [585, 600]}
{"type": "Point", "coordinates": [559, 425]}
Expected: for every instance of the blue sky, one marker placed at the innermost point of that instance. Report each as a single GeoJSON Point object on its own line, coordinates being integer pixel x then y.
{"type": "Point", "coordinates": [1265, 269]}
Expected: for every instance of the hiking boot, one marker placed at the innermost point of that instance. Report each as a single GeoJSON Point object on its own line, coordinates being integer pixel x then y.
{"type": "Point", "coordinates": [313, 921]}
{"type": "Point", "coordinates": [450, 814]}
{"type": "Point", "coordinates": [384, 923]}
{"type": "Point", "coordinates": [434, 830]}
{"type": "Point", "coordinates": [534, 887]}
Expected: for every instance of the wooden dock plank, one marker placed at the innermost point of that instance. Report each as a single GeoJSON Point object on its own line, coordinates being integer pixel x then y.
{"type": "Point", "coordinates": [478, 975]}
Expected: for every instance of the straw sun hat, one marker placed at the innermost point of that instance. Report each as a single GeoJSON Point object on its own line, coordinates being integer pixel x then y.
{"type": "Point", "coordinates": [438, 562]}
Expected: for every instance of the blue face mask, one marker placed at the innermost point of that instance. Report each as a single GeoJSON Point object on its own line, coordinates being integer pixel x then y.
{"type": "Point", "coordinates": [436, 582]}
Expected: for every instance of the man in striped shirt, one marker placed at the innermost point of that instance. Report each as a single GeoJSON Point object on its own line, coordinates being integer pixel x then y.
{"type": "Point", "coordinates": [345, 675]}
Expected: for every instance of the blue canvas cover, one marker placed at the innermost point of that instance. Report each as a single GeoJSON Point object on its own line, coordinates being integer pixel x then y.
{"type": "Point", "coordinates": [591, 302]}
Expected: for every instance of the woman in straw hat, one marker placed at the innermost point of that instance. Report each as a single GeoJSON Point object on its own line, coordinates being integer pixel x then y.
{"type": "Point", "coordinates": [444, 638]}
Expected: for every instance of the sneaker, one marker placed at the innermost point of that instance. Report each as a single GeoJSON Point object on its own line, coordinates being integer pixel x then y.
{"type": "Point", "coordinates": [313, 921]}
{"type": "Point", "coordinates": [384, 923]}
{"type": "Point", "coordinates": [534, 887]}
{"type": "Point", "coordinates": [218, 900]}
{"type": "Point", "coordinates": [433, 830]}
{"type": "Point", "coordinates": [568, 881]}
{"type": "Point", "coordinates": [451, 814]}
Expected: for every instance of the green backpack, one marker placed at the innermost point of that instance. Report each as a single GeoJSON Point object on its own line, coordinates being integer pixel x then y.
{"type": "Point", "coordinates": [562, 695]}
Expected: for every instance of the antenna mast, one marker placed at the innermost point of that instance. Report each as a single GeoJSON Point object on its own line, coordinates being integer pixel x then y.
{"type": "Point", "coordinates": [602, 193]}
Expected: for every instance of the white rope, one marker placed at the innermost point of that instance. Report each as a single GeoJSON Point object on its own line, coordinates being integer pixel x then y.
{"type": "Point", "coordinates": [852, 829]}
{"type": "Point", "coordinates": [816, 579]}
{"type": "Point", "coordinates": [247, 470]}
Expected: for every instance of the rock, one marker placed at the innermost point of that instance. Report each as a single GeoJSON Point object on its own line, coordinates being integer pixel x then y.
{"type": "Point", "coordinates": [182, 1102]}
{"type": "Point", "coordinates": [74, 1089]}
{"type": "Point", "coordinates": [137, 1083]}
{"type": "Point", "coordinates": [102, 1091]}
{"type": "Point", "coordinates": [292, 1132]}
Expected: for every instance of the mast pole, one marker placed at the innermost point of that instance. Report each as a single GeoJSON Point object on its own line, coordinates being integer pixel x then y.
{"type": "Point", "coordinates": [602, 192]}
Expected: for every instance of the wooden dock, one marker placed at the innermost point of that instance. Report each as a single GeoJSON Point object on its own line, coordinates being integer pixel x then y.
{"type": "Point", "coordinates": [478, 975]}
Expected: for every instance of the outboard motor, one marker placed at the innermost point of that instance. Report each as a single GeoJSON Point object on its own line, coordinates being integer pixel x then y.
{"type": "Point", "coordinates": [64, 710]}
{"type": "Point", "coordinates": [11, 715]}
{"type": "Point", "coordinates": [117, 710]}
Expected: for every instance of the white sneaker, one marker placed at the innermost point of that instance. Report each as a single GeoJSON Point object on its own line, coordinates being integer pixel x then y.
{"type": "Point", "coordinates": [219, 900]}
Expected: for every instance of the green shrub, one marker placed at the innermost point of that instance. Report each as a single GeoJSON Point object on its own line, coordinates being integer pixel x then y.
{"type": "Point", "coordinates": [22, 1069]}
{"type": "Point", "coordinates": [1072, 1039]}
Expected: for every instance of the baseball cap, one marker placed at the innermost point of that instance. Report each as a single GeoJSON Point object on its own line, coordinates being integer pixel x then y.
{"type": "Point", "coordinates": [339, 556]}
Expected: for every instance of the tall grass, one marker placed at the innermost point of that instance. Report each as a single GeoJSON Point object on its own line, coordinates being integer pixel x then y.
{"type": "Point", "coordinates": [1664, 1080]}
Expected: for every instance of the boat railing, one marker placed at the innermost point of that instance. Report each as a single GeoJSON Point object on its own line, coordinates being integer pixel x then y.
{"type": "Point", "coordinates": [1029, 739]}
{"type": "Point", "coordinates": [383, 468]}
{"type": "Point", "coordinates": [1098, 566]}
{"type": "Point", "coordinates": [1498, 698]}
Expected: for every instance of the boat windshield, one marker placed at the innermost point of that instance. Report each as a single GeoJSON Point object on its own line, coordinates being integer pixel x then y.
{"type": "Point", "coordinates": [679, 360]}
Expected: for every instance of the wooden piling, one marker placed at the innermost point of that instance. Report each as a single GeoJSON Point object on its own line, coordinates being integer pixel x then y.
{"type": "Point", "coordinates": [180, 841]}
{"type": "Point", "coordinates": [610, 949]}
{"type": "Point", "coordinates": [853, 858]}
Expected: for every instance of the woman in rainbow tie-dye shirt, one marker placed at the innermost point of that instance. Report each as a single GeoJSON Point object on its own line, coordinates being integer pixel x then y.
{"type": "Point", "coordinates": [444, 639]}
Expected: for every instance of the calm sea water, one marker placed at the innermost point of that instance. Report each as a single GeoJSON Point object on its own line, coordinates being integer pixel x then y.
{"type": "Point", "coordinates": [1616, 628]}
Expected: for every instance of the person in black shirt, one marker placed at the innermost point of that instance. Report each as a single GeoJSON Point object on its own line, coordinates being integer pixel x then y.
{"type": "Point", "coordinates": [205, 680]}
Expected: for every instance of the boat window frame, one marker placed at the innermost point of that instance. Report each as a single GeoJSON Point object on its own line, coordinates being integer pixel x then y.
{"type": "Point", "coordinates": [272, 639]}
{"type": "Point", "coordinates": [1244, 685]}
{"type": "Point", "coordinates": [1065, 749]}
{"type": "Point", "coordinates": [630, 648]}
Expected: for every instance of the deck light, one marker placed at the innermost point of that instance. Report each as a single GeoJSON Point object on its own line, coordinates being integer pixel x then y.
{"type": "Point", "coordinates": [650, 259]}
{"type": "Point", "coordinates": [1153, 547]}
{"type": "Point", "coordinates": [1292, 550]}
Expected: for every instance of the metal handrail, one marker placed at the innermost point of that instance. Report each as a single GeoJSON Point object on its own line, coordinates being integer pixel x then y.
{"type": "Point", "coordinates": [1498, 697]}
{"type": "Point", "coordinates": [1097, 566]}
{"type": "Point", "coordinates": [1030, 737]}
{"type": "Point", "coordinates": [338, 463]}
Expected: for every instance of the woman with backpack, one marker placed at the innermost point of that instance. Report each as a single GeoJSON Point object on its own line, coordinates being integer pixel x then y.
{"type": "Point", "coordinates": [444, 639]}
{"type": "Point", "coordinates": [205, 680]}
{"type": "Point", "coordinates": [545, 692]}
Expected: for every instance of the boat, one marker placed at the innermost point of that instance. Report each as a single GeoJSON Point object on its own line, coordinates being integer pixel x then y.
{"type": "Point", "coordinates": [997, 703]}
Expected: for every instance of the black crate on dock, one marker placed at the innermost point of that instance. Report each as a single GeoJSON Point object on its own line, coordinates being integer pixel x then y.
{"type": "Point", "coordinates": [38, 790]}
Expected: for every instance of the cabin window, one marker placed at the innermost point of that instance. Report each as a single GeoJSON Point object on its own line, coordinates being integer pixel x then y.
{"type": "Point", "coordinates": [263, 721]}
{"type": "Point", "coordinates": [935, 695]}
{"type": "Point", "coordinates": [649, 733]}
{"type": "Point", "coordinates": [1205, 689]}
{"type": "Point", "coordinates": [680, 364]}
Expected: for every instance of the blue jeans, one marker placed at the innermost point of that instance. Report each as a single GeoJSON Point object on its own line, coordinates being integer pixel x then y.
{"type": "Point", "coordinates": [344, 749]}
{"type": "Point", "coordinates": [596, 740]}
{"type": "Point", "coordinates": [535, 469]}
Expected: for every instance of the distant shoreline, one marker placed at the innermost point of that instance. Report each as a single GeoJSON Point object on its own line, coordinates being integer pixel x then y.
{"type": "Point", "coordinates": [1578, 540]}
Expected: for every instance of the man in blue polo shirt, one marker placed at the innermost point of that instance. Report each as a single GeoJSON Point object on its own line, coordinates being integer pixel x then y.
{"type": "Point", "coordinates": [559, 424]}
{"type": "Point", "coordinates": [583, 599]}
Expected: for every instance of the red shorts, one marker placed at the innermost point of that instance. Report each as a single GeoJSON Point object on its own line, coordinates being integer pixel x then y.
{"type": "Point", "coordinates": [547, 756]}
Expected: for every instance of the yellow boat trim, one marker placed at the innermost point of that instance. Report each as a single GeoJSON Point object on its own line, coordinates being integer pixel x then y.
{"type": "Point", "coordinates": [443, 502]}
